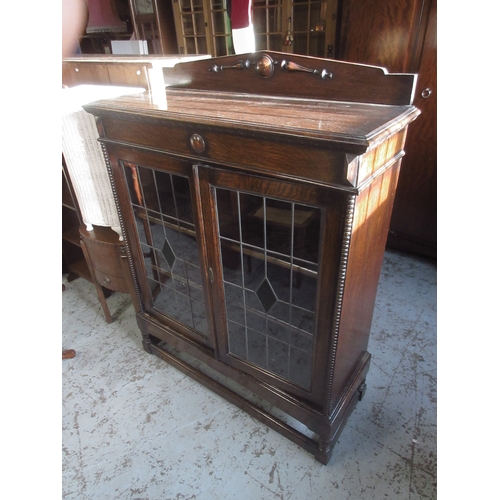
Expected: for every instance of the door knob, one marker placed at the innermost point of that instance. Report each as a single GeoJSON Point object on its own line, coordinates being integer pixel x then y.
{"type": "Point", "coordinates": [426, 93]}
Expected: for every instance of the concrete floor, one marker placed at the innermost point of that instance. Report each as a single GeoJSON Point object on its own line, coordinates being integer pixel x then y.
{"type": "Point", "coordinates": [136, 428]}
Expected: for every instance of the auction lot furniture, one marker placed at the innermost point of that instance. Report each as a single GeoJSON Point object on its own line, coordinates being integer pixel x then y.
{"type": "Point", "coordinates": [106, 258]}
{"type": "Point", "coordinates": [255, 202]}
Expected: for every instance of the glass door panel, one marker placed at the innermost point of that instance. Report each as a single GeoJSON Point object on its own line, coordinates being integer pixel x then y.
{"type": "Point", "coordinates": [148, 32]}
{"type": "Point", "coordinates": [219, 22]}
{"type": "Point", "coordinates": [203, 27]}
{"type": "Point", "coordinates": [221, 28]}
{"type": "Point", "coordinates": [268, 24]}
{"type": "Point", "coordinates": [308, 26]}
{"type": "Point", "coordinates": [192, 25]}
{"type": "Point", "coordinates": [162, 206]}
{"type": "Point", "coordinates": [270, 258]}
{"type": "Point", "coordinates": [144, 7]}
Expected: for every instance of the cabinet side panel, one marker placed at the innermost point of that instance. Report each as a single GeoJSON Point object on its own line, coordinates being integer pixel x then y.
{"type": "Point", "coordinates": [371, 224]}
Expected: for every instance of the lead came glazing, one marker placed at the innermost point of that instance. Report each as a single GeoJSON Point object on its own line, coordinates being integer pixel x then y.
{"type": "Point", "coordinates": [269, 254]}
{"type": "Point", "coordinates": [166, 230]}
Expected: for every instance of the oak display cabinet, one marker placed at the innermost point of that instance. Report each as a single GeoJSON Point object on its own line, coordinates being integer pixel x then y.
{"type": "Point", "coordinates": [255, 202]}
{"type": "Point", "coordinates": [305, 27]}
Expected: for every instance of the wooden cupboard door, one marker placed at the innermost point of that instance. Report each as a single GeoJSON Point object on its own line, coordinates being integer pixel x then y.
{"type": "Point", "coordinates": [274, 265]}
{"type": "Point", "coordinates": [167, 245]}
{"type": "Point", "coordinates": [414, 219]}
{"type": "Point", "coordinates": [402, 37]}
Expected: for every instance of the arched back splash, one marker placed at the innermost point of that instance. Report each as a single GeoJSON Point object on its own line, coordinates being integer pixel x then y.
{"type": "Point", "coordinates": [288, 75]}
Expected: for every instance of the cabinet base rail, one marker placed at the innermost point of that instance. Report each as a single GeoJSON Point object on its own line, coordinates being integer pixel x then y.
{"type": "Point", "coordinates": [321, 446]}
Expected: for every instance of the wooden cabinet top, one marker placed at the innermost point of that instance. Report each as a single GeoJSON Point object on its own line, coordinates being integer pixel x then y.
{"type": "Point", "coordinates": [358, 125]}
{"type": "Point", "coordinates": [149, 60]}
{"type": "Point", "coordinates": [122, 70]}
{"type": "Point", "coordinates": [268, 109]}
{"type": "Point", "coordinates": [279, 93]}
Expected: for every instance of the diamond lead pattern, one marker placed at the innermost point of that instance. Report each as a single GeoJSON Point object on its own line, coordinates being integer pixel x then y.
{"type": "Point", "coordinates": [266, 295]}
{"type": "Point", "coordinates": [168, 253]}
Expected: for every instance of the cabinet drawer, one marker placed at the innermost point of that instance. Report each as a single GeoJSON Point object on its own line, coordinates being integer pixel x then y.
{"type": "Point", "coordinates": [111, 282]}
{"type": "Point", "coordinates": [290, 157]}
{"type": "Point", "coordinates": [105, 257]}
{"type": "Point", "coordinates": [107, 261]}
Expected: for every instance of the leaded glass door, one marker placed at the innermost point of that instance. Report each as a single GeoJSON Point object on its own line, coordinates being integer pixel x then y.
{"type": "Point", "coordinates": [297, 26]}
{"type": "Point", "coordinates": [164, 210]}
{"type": "Point", "coordinates": [313, 27]}
{"type": "Point", "coordinates": [191, 26]}
{"type": "Point", "coordinates": [202, 27]}
{"type": "Point", "coordinates": [271, 268]}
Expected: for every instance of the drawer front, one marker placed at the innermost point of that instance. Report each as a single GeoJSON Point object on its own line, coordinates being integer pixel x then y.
{"type": "Point", "coordinates": [111, 282]}
{"type": "Point", "coordinates": [288, 157]}
{"type": "Point", "coordinates": [105, 257]}
{"type": "Point", "coordinates": [111, 73]}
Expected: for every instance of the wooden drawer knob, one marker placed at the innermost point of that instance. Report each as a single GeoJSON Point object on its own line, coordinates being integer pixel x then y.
{"type": "Point", "coordinates": [197, 143]}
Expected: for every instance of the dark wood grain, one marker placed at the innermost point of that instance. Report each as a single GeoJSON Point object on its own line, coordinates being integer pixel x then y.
{"type": "Point", "coordinates": [73, 259]}
{"type": "Point", "coordinates": [107, 261]}
{"type": "Point", "coordinates": [349, 123]}
{"type": "Point", "coordinates": [358, 83]}
{"type": "Point", "coordinates": [338, 159]}
{"type": "Point", "coordinates": [380, 33]}
{"type": "Point", "coordinates": [401, 35]}
{"type": "Point", "coordinates": [120, 70]}
{"type": "Point", "coordinates": [414, 220]}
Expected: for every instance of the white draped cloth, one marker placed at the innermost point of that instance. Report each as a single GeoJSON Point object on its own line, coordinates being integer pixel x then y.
{"type": "Point", "coordinates": [84, 156]}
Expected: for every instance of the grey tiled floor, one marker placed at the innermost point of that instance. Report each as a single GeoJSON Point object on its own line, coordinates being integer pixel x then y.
{"type": "Point", "coordinates": [136, 428]}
